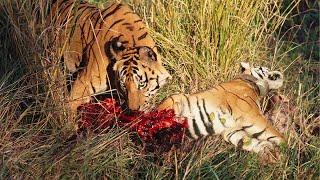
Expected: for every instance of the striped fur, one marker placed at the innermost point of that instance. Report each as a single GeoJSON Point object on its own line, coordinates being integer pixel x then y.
{"type": "Point", "coordinates": [232, 110]}
{"type": "Point", "coordinates": [104, 49]}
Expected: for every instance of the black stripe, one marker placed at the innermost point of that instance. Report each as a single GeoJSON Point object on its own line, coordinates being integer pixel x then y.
{"type": "Point", "coordinates": [125, 42]}
{"type": "Point", "coordinates": [116, 22]}
{"type": "Point", "coordinates": [157, 87]}
{"type": "Point", "coordinates": [135, 63]}
{"type": "Point", "coordinates": [125, 72]}
{"type": "Point", "coordinates": [195, 127]}
{"type": "Point", "coordinates": [112, 12]}
{"type": "Point", "coordinates": [110, 27]}
{"type": "Point", "coordinates": [238, 118]}
{"type": "Point", "coordinates": [64, 9]}
{"type": "Point", "coordinates": [130, 28]}
{"type": "Point", "coordinates": [122, 70]}
{"type": "Point", "coordinates": [79, 15]}
{"type": "Point", "coordinates": [229, 108]}
{"type": "Point", "coordinates": [140, 20]}
{"type": "Point", "coordinates": [262, 71]}
{"type": "Point", "coordinates": [172, 99]}
{"type": "Point", "coordinates": [189, 106]}
{"type": "Point", "coordinates": [233, 133]}
{"type": "Point", "coordinates": [259, 142]}
{"type": "Point", "coordinates": [246, 127]}
{"type": "Point", "coordinates": [205, 109]}
{"type": "Point", "coordinates": [140, 76]}
{"type": "Point", "coordinates": [133, 41]}
{"type": "Point", "coordinates": [207, 126]}
{"type": "Point", "coordinates": [144, 35]}
{"type": "Point", "coordinates": [268, 139]}
{"type": "Point", "coordinates": [201, 115]}
{"type": "Point", "coordinates": [108, 8]}
{"type": "Point", "coordinates": [256, 135]}
{"type": "Point", "coordinates": [94, 90]}
{"type": "Point", "coordinates": [129, 12]}
{"type": "Point", "coordinates": [188, 133]}
{"type": "Point", "coordinates": [240, 144]}
{"type": "Point", "coordinates": [98, 19]}
{"type": "Point", "coordinates": [260, 75]}
{"type": "Point", "coordinates": [211, 130]}
{"type": "Point", "coordinates": [135, 67]}
{"type": "Point", "coordinates": [89, 17]}
{"type": "Point", "coordinates": [145, 74]}
{"type": "Point", "coordinates": [103, 11]}
{"type": "Point", "coordinates": [84, 25]}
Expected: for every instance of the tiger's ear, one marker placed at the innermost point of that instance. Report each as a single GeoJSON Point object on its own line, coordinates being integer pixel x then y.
{"type": "Point", "coordinates": [147, 53]}
{"type": "Point", "coordinates": [244, 66]}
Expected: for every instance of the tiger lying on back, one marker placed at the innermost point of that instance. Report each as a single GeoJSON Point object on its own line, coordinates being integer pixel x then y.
{"type": "Point", "coordinates": [232, 110]}
{"type": "Point", "coordinates": [105, 49]}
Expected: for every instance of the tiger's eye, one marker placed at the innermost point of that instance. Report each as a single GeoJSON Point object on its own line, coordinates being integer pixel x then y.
{"type": "Point", "coordinates": [141, 84]}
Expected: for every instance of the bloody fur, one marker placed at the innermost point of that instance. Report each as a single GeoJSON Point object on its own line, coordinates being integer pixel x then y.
{"type": "Point", "coordinates": [158, 130]}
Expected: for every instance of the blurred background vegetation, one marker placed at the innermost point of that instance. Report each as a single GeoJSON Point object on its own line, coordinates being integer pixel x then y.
{"type": "Point", "coordinates": [202, 43]}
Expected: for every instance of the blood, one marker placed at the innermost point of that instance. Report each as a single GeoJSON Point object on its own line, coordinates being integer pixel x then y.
{"type": "Point", "coordinates": [158, 130]}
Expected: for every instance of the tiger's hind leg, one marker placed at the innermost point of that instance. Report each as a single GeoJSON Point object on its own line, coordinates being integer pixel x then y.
{"type": "Point", "coordinates": [262, 130]}
{"type": "Point", "coordinates": [266, 150]}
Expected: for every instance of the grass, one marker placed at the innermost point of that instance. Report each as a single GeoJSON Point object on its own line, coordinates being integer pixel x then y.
{"type": "Point", "coordinates": [202, 43]}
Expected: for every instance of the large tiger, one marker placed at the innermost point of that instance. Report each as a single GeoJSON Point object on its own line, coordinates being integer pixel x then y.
{"type": "Point", "coordinates": [105, 49]}
{"type": "Point", "coordinates": [232, 110]}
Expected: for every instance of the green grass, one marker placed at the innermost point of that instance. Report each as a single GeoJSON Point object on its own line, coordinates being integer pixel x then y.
{"type": "Point", "coordinates": [202, 43]}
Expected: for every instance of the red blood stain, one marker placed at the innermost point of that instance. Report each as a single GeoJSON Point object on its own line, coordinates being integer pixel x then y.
{"type": "Point", "coordinates": [158, 130]}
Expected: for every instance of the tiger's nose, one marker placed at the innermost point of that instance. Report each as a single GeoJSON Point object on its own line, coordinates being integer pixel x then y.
{"type": "Point", "coordinates": [134, 106]}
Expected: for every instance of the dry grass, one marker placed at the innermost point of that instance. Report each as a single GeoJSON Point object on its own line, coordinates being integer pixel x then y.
{"type": "Point", "coordinates": [202, 43]}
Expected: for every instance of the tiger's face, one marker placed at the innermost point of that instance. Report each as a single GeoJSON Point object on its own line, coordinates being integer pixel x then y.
{"type": "Point", "coordinates": [273, 79]}
{"type": "Point", "coordinates": [140, 74]}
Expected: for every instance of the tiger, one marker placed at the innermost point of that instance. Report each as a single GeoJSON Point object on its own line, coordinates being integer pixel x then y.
{"type": "Point", "coordinates": [106, 49]}
{"type": "Point", "coordinates": [232, 110]}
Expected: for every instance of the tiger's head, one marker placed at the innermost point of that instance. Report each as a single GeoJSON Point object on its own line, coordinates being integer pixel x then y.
{"type": "Point", "coordinates": [265, 79]}
{"type": "Point", "coordinates": [140, 73]}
